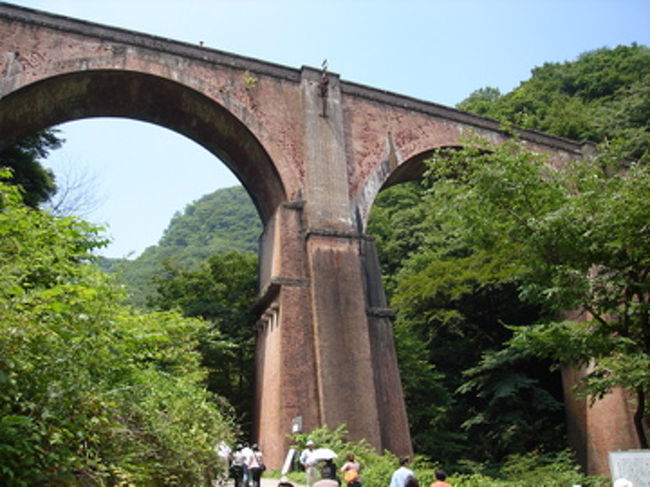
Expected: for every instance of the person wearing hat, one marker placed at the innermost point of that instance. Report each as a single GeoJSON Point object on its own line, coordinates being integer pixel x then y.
{"type": "Point", "coordinates": [309, 463]}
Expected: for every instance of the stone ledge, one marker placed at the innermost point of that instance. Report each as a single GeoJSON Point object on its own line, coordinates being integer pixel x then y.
{"type": "Point", "coordinates": [380, 312]}
{"type": "Point", "coordinates": [294, 205]}
{"type": "Point", "coordinates": [326, 232]}
{"type": "Point", "coordinates": [272, 291]}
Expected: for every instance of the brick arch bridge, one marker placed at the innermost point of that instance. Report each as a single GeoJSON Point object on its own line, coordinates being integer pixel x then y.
{"type": "Point", "coordinates": [313, 151]}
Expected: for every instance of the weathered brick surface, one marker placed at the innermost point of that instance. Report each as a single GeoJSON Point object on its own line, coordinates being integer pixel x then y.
{"type": "Point", "coordinates": [312, 164]}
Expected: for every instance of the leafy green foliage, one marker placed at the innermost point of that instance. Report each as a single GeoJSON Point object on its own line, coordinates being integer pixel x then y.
{"type": "Point", "coordinates": [222, 291]}
{"type": "Point", "coordinates": [532, 469]}
{"type": "Point", "coordinates": [523, 470]}
{"type": "Point", "coordinates": [396, 226]}
{"type": "Point", "coordinates": [574, 239]}
{"type": "Point", "coordinates": [449, 317]}
{"type": "Point", "coordinates": [23, 158]}
{"type": "Point", "coordinates": [603, 95]}
{"type": "Point", "coordinates": [512, 404]}
{"type": "Point", "coordinates": [93, 392]}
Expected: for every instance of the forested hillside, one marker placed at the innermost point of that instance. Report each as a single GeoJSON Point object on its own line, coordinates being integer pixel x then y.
{"type": "Point", "coordinates": [219, 222]}
{"type": "Point", "coordinates": [604, 94]}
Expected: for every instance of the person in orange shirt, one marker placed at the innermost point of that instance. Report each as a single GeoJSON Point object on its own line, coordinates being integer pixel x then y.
{"type": "Point", "coordinates": [440, 479]}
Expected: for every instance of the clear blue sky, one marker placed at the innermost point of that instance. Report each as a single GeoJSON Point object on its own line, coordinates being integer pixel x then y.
{"type": "Point", "coordinates": [435, 50]}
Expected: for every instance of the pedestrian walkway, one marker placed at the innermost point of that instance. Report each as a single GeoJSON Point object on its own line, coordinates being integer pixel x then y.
{"type": "Point", "coordinates": [265, 482]}
{"type": "Point", "coordinates": [268, 482]}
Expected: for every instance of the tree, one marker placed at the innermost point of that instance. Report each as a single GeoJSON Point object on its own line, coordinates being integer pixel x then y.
{"type": "Point", "coordinates": [603, 95]}
{"type": "Point", "coordinates": [573, 238]}
{"type": "Point", "coordinates": [446, 323]}
{"type": "Point", "coordinates": [77, 193]}
{"type": "Point", "coordinates": [222, 291]}
{"type": "Point", "coordinates": [24, 157]}
{"type": "Point", "coordinates": [92, 393]}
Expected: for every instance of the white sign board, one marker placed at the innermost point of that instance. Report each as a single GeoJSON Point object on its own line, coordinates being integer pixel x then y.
{"type": "Point", "coordinates": [296, 424]}
{"type": "Point", "coordinates": [633, 465]}
{"type": "Point", "coordinates": [286, 467]}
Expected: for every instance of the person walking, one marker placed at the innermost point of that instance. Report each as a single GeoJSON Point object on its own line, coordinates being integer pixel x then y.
{"type": "Point", "coordinates": [237, 466]}
{"type": "Point", "coordinates": [246, 453]}
{"type": "Point", "coordinates": [224, 453]}
{"type": "Point", "coordinates": [255, 464]}
{"type": "Point", "coordinates": [308, 462]}
{"type": "Point", "coordinates": [351, 471]}
{"type": "Point", "coordinates": [402, 474]}
{"type": "Point", "coordinates": [441, 475]}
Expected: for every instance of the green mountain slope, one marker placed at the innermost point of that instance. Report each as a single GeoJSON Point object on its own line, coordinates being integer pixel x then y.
{"type": "Point", "coordinates": [602, 95]}
{"type": "Point", "coordinates": [219, 222]}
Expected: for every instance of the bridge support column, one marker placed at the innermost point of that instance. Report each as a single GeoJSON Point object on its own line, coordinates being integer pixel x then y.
{"type": "Point", "coordinates": [342, 342]}
{"type": "Point", "coordinates": [595, 430]}
{"type": "Point", "coordinates": [325, 347]}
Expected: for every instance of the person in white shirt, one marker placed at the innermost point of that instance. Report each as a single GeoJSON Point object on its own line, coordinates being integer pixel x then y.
{"type": "Point", "coordinates": [255, 465]}
{"type": "Point", "coordinates": [402, 474]}
{"type": "Point", "coordinates": [237, 466]}
{"type": "Point", "coordinates": [309, 463]}
{"type": "Point", "coordinates": [246, 453]}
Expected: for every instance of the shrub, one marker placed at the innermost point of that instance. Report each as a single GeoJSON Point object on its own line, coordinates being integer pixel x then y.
{"type": "Point", "coordinates": [530, 470]}
{"type": "Point", "coordinates": [92, 392]}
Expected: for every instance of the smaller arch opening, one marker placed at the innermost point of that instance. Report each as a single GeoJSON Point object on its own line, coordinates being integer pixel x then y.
{"type": "Point", "coordinates": [443, 329]}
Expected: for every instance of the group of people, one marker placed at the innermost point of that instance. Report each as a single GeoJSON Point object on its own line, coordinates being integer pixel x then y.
{"type": "Point", "coordinates": [351, 470]}
{"type": "Point", "coordinates": [405, 477]}
{"type": "Point", "coordinates": [246, 465]}
{"type": "Point", "coordinates": [328, 472]}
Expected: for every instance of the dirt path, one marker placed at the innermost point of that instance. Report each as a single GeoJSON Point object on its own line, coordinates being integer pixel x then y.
{"type": "Point", "coordinates": [274, 483]}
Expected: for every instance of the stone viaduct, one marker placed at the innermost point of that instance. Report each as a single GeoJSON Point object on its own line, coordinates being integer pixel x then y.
{"type": "Point", "coordinates": [312, 151]}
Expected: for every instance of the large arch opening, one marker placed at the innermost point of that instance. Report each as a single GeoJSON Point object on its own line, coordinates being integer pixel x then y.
{"type": "Point", "coordinates": [127, 94]}
{"type": "Point", "coordinates": [169, 105]}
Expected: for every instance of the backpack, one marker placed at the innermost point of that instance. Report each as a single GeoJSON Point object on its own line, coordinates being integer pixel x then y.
{"type": "Point", "coordinates": [351, 475]}
{"type": "Point", "coordinates": [328, 471]}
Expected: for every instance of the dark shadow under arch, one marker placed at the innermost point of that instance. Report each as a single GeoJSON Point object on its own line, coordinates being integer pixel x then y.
{"type": "Point", "coordinates": [412, 169]}
{"type": "Point", "coordinates": [128, 94]}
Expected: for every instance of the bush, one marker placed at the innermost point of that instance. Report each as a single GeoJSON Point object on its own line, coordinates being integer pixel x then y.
{"type": "Point", "coordinates": [92, 392]}
{"type": "Point", "coordinates": [530, 470]}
